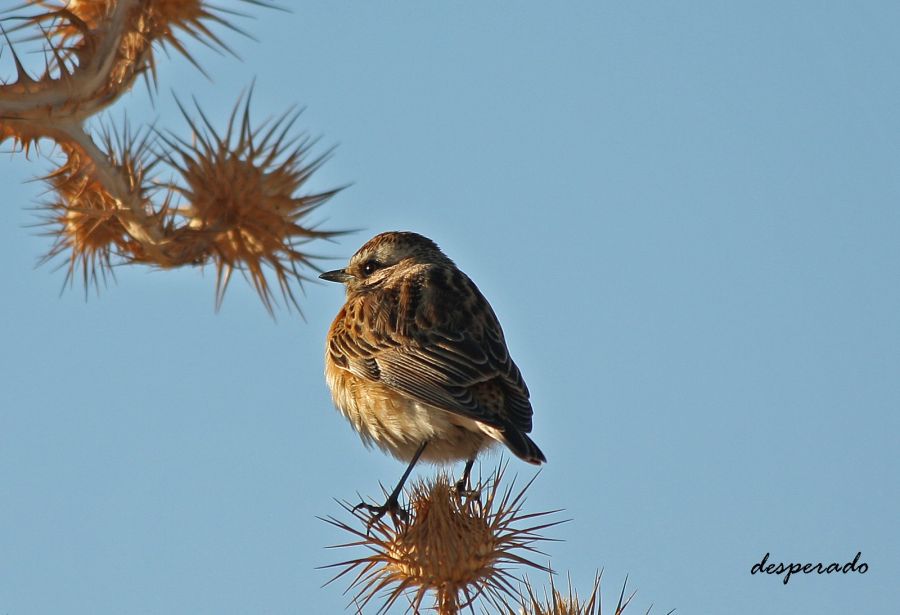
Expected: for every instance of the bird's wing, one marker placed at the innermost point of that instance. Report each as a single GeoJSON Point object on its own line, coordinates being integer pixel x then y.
{"type": "Point", "coordinates": [436, 339]}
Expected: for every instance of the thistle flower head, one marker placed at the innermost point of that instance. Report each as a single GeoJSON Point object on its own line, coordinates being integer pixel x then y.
{"type": "Point", "coordinates": [240, 193]}
{"type": "Point", "coordinates": [95, 48]}
{"type": "Point", "coordinates": [155, 20]}
{"type": "Point", "coordinates": [559, 602]}
{"type": "Point", "coordinates": [565, 603]}
{"type": "Point", "coordinates": [84, 217]}
{"type": "Point", "coordinates": [88, 12]}
{"type": "Point", "coordinates": [87, 232]}
{"type": "Point", "coordinates": [455, 546]}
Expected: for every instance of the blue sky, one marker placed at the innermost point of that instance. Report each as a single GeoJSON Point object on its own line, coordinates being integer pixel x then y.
{"type": "Point", "coordinates": [686, 216]}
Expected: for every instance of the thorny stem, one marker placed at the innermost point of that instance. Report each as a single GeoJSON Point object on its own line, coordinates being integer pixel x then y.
{"type": "Point", "coordinates": [73, 96]}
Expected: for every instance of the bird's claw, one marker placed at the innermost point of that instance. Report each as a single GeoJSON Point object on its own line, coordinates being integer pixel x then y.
{"type": "Point", "coordinates": [392, 506]}
{"type": "Point", "coordinates": [464, 489]}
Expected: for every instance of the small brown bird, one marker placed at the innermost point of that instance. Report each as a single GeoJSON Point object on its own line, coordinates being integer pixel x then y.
{"type": "Point", "coordinates": [417, 362]}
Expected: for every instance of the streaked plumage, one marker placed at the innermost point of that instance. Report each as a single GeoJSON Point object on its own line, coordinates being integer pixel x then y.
{"type": "Point", "coordinates": [416, 355]}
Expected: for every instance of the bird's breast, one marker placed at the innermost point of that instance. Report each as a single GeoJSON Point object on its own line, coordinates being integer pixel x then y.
{"type": "Point", "coordinates": [398, 424]}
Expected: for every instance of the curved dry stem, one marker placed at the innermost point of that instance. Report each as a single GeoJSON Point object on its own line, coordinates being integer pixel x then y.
{"type": "Point", "coordinates": [103, 70]}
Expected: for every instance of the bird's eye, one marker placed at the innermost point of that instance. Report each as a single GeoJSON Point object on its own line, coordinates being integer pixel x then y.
{"type": "Point", "coordinates": [370, 267]}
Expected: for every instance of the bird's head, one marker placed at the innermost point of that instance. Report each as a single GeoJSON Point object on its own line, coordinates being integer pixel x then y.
{"type": "Point", "coordinates": [386, 255]}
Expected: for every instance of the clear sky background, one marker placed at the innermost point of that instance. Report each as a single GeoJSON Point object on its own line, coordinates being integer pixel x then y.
{"type": "Point", "coordinates": [687, 216]}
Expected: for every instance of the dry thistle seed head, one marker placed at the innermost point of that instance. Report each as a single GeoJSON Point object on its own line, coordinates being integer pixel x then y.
{"type": "Point", "coordinates": [456, 547]}
{"type": "Point", "coordinates": [89, 232]}
{"type": "Point", "coordinates": [84, 217]}
{"type": "Point", "coordinates": [91, 12]}
{"type": "Point", "coordinates": [152, 19]}
{"type": "Point", "coordinates": [446, 544]}
{"type": "Point", "coordinates": [559, 603]}
{"type": "Point", "coordinates": [241, 202]}
{"type": "Point", "coordinates": [161, 20]}
{"type": "Point", "coordinates": [75, 29]}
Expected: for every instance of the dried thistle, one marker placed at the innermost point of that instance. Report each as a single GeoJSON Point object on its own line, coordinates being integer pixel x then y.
{"type": "Point", "coordinates": [84, 217]}
{"type": "Point", "coordinates": [76, 30]}
{"type": "Point", "coordinates": [455, 546]}
{"type": "Point", "coordinates": [241, 202]}
{"type": "Point", "coordinates": [569, 603]}
{"type": "Point", "coordinates": [239, 196]}
{"type": "Point", "coordinates": [559, 603]}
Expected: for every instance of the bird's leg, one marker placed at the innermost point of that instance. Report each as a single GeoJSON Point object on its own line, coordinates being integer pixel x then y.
{"type": "Point", "coordinates": [462, 486]}
{"type": "Point", "coordinates": [392, 505]}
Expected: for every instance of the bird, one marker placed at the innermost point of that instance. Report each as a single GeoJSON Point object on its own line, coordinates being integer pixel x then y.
{"type": "Point", "coordinates": [416, 360]}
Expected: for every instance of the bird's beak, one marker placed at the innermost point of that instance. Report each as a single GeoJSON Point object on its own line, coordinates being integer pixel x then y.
{"type": "Point", "coordinates": [338, 275]}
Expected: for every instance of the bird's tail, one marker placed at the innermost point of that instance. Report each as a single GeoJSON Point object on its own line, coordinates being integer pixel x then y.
{"type": "Point", "coordinates": [523, 446]}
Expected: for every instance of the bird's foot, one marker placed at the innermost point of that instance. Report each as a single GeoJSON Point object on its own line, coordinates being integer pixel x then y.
{"type": "Point", "coordinates": [464, 490]}
{"type": "Point", "coordinates": [392, 506]}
